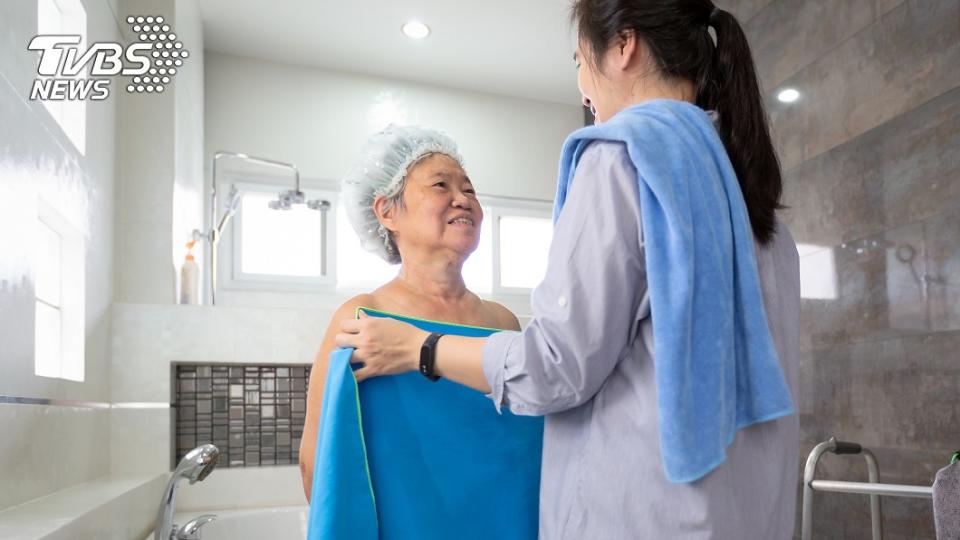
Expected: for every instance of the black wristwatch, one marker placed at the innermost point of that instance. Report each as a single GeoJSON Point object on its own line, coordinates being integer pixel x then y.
{"type": "Point", "coordinates": [428, 356]}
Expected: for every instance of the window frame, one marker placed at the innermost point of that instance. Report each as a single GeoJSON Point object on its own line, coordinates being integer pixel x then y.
{"type": "Point", "coordinates": [69, 115]}
{"type": "Point", "coordinates": [510, 207]}
{"type": "Point", "coordinates": [234, 279]}
{"type": "Point", "coordinates": [71, 364]}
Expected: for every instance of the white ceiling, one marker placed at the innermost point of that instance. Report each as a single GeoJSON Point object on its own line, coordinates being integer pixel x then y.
{"type": "Point", "coordinates": [513, 47]}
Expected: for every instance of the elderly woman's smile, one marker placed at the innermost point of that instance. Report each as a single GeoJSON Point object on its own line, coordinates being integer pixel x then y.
{"type": "Point", "coordinates": [462, 220]}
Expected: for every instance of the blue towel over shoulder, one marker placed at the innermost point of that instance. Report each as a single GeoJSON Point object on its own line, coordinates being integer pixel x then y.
{"type": "Point", "coordinates": [716, 366]}
{"type": "Point", "coordinates": [402, 457]}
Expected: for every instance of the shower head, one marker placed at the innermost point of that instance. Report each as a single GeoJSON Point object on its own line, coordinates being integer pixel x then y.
{"type": "Point", "coordinates": [318, 204]}
{"type": "Point", "coordinates": [287, 199]}
{"type": "Point", "coordinates": [198, 463]}
{"type": "Point", "coordinates": [233, 200]}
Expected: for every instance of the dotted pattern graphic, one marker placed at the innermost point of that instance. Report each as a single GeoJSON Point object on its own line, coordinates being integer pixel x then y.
{"type": "Point", "coordinates": [167, 54]}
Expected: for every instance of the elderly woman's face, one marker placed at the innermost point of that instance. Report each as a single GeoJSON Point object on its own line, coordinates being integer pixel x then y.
{"type": "Point", "coordinates": [440, 208]}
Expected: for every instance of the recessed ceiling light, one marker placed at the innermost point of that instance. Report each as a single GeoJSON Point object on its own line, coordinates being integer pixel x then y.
{"type": "Point", "coordinates": [788, 95]}
{"type": "Point", "coordinates": [416, 30]}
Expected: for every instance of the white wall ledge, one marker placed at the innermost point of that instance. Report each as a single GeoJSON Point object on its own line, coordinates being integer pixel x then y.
{"type": "Point", "coordinates": [106, 509]}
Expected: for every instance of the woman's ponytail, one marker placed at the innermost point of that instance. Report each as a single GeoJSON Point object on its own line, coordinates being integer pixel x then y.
{"type": "Point", "coordinates": [730, 86]}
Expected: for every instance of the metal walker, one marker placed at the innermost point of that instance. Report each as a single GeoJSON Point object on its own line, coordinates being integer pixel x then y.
{"type": "Point", "coordinates": [873, 488]}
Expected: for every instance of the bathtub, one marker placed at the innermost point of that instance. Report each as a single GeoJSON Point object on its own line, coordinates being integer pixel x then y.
{"type": "Point", "coordinates": [278, 523]}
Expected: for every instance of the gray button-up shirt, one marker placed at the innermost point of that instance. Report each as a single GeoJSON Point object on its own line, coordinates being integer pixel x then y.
{"type": "Point", "coordinates": [586, 362]}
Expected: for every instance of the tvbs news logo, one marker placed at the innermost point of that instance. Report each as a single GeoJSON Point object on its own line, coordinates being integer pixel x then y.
{"type": "Point", "coordinates": [151, 62]}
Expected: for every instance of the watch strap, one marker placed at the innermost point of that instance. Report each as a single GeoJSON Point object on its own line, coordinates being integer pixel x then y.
{"type": "Point", "coordinates": [428, 356]}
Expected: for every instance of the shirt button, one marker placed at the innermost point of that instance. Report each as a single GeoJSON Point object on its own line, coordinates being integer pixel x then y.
{"type": "Point", "coordinates": [562, 301]}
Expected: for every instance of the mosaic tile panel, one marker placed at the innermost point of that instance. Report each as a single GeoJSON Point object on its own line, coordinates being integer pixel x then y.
{"type": "Point", "coordinates": [253, 414]}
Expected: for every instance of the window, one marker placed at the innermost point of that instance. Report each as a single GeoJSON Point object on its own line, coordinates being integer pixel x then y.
{"type": "Point", "coordinates": [524, 241]}
{"type": "Point", "coordinates": [818, 274]}
{"type": "Point", "coordinates": [283, 249]}
{"type": "Point", "coordinates": [66, 17]}
{"type": "Point", "coordinates": [357, 268]}
{"type": "Point", "coordinates": [59, 302]}
{"type": "Point", "coordinates": [510, 258]}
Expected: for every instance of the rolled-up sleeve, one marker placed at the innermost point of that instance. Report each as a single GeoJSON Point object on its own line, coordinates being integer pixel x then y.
{"type": "Point", "coordinates": [586, 309]}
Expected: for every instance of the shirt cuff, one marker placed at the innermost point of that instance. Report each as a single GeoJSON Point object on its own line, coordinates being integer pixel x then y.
{"type": "Point", "coordinates": [496, 350]}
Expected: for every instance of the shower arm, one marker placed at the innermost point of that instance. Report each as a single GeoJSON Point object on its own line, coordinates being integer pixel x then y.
{"type": "Point", "coordinates": [216, 231]}
{"type": "Point", "coordinates": [213, 191]}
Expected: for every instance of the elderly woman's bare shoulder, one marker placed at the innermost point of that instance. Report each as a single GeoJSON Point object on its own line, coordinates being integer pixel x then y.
{"type": "Point", "coordinates": [348, 309]}
{"type": "Point", "coordinates": [504, 318]}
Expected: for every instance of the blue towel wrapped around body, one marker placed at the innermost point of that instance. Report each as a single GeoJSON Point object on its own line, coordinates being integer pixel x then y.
{"type": "Point", "coordinates": [402, 457]}
{"type": "Point", "coordinates": [716, 366]}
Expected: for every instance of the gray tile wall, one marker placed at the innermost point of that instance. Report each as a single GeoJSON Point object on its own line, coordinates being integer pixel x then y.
{"type": "Point", "coordinates": [871, 155]}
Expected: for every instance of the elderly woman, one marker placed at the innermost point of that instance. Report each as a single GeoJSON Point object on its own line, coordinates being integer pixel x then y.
{"type": "Point", "coordinates": [411, 202]}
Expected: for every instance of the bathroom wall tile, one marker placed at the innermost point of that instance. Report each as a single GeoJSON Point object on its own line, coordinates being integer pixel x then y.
{"type": "Point", "coordinates": [258, 334]}
{"type": "Point", "coordinates": [140, 350]}
{"type": "Point", "coordinates": [780, 50]}
{"type": "Point", "coordinates": [902, 61]}
{"type": "Point", "coordinates": [145, 271]}
{"type": "Point", "coordinates": [881, 290]}
{"type": "Point", "coordinates": [18, 24]}
{"type": "Point", "coordinates": [145, 172]}
{"type": "Point", "coordinates": [139, 441]}
{"type": "Point", "coordinates": [744, 10]}
{"type": "Point", "coordinates": [901, 171]}
{"type": "Point", "coordinates": [920, 378]}
{"type": "Point", "coordinates": [199, 333]}
{"type": "Point", "coordinates": [310, 328]}
{"type": "Point", "coordinates": [942, 277]}
{"type": "Point", "coordinates": [148, 337]}
{"type": "Point", "coordinates": [883, 6]}
{"type": "Point", "coordinates": [48, 448]}
{"type": "Point", "coordinates": [898, 282]}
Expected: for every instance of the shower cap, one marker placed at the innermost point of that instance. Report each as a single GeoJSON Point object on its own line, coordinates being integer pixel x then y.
{"type": "Point", "coordinates": [384, 162]}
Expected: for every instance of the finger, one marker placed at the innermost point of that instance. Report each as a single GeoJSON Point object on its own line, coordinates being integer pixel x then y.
{"type": "Point", "coordinates": [347, 341]}
{"type": "Point", "coordinates": [363, 315]}
{"type": "Point", "coordinates": [363, 374]}
{"type": "Point", "coordinates": [351, 326]}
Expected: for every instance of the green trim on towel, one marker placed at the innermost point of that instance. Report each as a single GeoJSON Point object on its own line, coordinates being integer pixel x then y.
{"type": "Point", "coordinates": [356, 315]}
{"type": "Point", "coordinates": [363, 442]}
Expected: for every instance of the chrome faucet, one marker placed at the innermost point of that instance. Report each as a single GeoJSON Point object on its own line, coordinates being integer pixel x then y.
{"type": "Point", "coordinates": [191, 531]}
{"type": "Point", "coordinates": [195, 466]}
